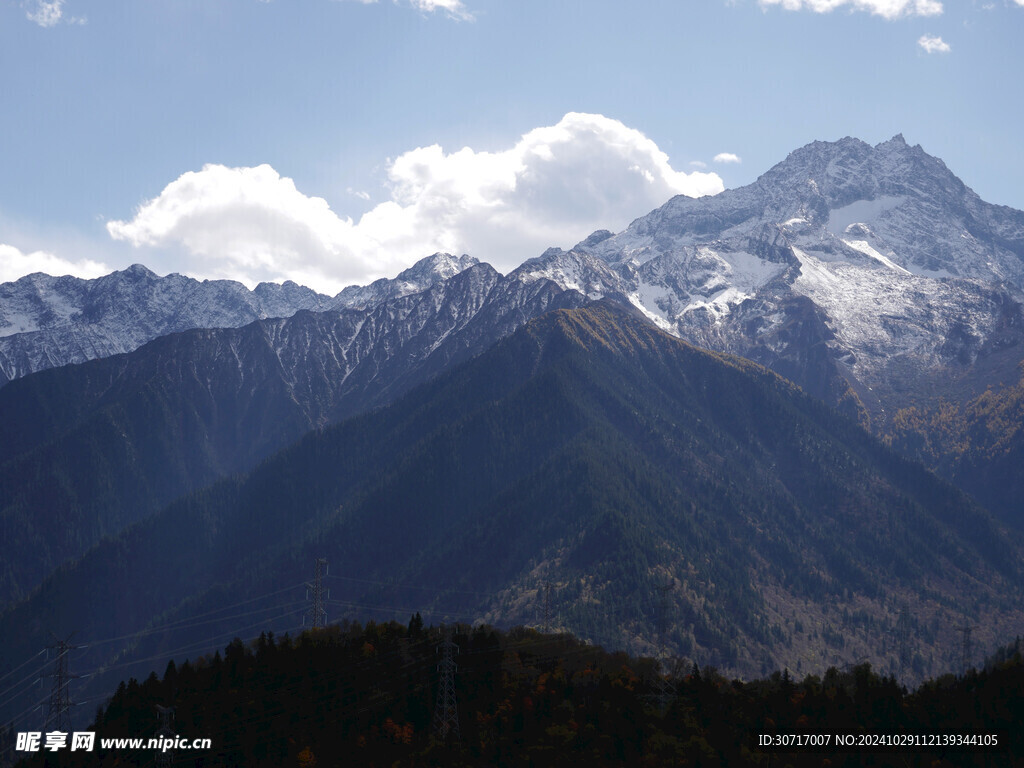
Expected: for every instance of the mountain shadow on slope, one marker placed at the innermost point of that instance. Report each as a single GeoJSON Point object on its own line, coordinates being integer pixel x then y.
{"type": "Point", "coordinates": [92, 448]}
{"type": "Point", "coordinates": [594, 453]}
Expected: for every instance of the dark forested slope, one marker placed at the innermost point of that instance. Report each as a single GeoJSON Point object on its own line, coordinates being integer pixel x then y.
{"type": "Point", "coordinates": [646, 481]}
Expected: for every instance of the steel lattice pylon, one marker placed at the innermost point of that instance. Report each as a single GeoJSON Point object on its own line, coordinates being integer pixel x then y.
{"type": "Point", "coordinates": [446, 715]}
{"type": "Point", "coordinates": [58, 716]}
{"type": "Point", "coordinates": [316, 594]}
{"type": "Point", "coordinates": [966, 649]}
{"type": "Point", "coordinates": [166, 714]}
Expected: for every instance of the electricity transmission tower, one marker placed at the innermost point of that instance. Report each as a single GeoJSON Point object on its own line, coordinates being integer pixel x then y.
{"type": "Point", "coordinates": [316, 594]}
{"type": "Point", "coordinates": [903, 640]}
{"type": "Point", "coordinates": [547, 607]}
{"type": "Point", "coordinates": [57, 711]}
{"type": "Point", "coordinates": [166, 715]}
{"type": "Point", "coordinates": [966, 648]}
{"type": "Point", "coordinates": [446, 715]}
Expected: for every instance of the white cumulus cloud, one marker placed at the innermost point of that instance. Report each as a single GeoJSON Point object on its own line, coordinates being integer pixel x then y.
{"type": "Point", "coordinates": [932, 44]}
{"type": "Point", "coordinates": [889, 9]}
{"type": "Point", "coordinates": [249, 224]}
{"type": "Point", "coordinates": [727, 157]}
{"type": "Point", "coordinates": [15, 264]}
{"type": "Point", "coordinates": [45, 13]}
{"type": "Point", "coordinates": [49, 13]}
{"type": "Point", "coordinates": [552, 187]}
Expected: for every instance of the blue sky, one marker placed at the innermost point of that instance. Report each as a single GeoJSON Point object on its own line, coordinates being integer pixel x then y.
{"type": "Point", "coordinates": [335, 141]}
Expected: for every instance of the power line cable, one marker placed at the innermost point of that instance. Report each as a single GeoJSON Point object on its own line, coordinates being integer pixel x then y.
{"type": "Point", "coordinates": [396, 585]}
{"type": "Point", "coordinates": [32, 676]}
{"type": "Point", "coordinates": [172, 624]}
{"type": "Point", "coordinates": [28, 661]}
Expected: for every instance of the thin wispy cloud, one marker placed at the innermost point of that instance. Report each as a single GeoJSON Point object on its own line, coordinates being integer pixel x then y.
{"type": "Point", "coordinates": [453, 8]}
{"type": "Point", "coordinates": [889, 9]}
{"type": "Point", "coordinates": [727, 157]}
{"type": "Point", "coordinates": [554, 186]}
{"type": "Point", "coordinates": [933, 44]}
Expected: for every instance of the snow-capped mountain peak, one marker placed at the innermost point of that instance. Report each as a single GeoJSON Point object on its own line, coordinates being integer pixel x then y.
{"type": "Point", "coordinates": [900, 265]}
{"type": "Point", "coordinates": [419, 277]}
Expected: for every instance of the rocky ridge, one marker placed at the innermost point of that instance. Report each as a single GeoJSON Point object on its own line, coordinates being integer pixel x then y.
{"type": "Point", "coordinates": [47, 322]}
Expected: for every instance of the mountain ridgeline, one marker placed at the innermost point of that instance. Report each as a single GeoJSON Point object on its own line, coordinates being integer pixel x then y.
{"type": "Point", "coordinates": [634, 480]}
{"type": "Point", "coordinates": [871, 276]}
{"type": "Point", "coordinates": [92, 448]}
{"type": "Point", "coordinates": [47, 322]}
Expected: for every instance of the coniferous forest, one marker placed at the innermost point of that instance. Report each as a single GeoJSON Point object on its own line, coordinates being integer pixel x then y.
{"type": "Point", "coordinates": [369, 695]}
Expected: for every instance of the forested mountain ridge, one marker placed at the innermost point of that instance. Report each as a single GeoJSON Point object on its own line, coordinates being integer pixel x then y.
{"type": "Point", "coordinates": [595, 453]}
{"type": "Point", "coordinates": [92, 448]}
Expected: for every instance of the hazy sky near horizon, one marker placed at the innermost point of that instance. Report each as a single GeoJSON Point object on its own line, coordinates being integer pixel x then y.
{"type": "Point", "coordinates": [332, 142]}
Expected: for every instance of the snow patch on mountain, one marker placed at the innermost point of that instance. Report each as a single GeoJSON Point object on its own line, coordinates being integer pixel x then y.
{"type": "Point", "coordinates": [861, 211]}
{"type": "Point", "coordinates": [572, 271]}
{"type": "Point", "coordinates": [865, 247]}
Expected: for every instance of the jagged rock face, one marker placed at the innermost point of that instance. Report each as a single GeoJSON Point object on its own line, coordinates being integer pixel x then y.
{"type": "Point", "coordinates": [863, 273]}
{"type": "Point", "coordinates": [47, 322]}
